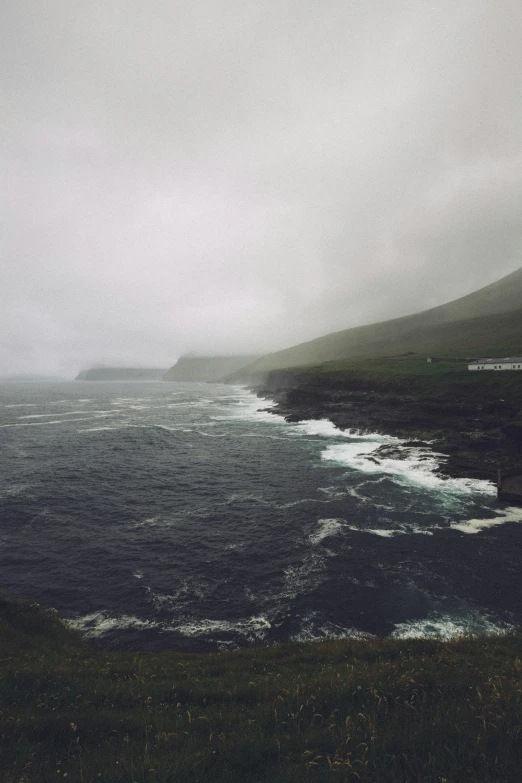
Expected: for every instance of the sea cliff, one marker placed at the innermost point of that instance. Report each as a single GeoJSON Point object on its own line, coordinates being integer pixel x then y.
{"type": "Point", "coordinates": [206, 369]}
{"type": "Point", "coordinates": [474, 421]}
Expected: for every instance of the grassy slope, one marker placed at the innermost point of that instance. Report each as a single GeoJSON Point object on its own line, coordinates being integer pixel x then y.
{"type": "Point", "coordinates": [206, 368]}
{"type": "Point", "coordinates": [449, 378]}
{"type": "Point", "coordinates": [485, 322]}
{"type": "Point", "coordinates": [379, 710]}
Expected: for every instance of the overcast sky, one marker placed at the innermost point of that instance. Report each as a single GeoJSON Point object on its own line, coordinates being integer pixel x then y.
{"type": "Point", "coordinates": [236, 175]}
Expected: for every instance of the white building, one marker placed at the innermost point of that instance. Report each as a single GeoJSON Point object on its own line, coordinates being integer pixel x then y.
{"type": "Point", "coordinates": [508, 363]}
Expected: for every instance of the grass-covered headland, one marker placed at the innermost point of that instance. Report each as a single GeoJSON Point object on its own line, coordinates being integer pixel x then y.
{"type": "Point", "coordinates": [378, 710]}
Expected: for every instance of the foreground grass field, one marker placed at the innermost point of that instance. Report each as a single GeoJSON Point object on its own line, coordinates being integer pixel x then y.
{"type": "Point", "coordinates": [379, 710]}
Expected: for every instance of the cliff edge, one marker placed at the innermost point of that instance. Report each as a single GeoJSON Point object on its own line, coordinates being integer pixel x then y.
{"type": "Point", "coordinates": [474, 420]}
{"type": "Point", "coordinates": [210, 369]}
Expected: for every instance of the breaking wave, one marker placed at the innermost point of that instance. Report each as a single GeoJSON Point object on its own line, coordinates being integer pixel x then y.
{"type": "Point", "coordinates": [415, 465]}
{"type": "Point", "coordinates": [98, 624]}
{"type": "Point", "coordinates": [477, 525]}
{"type": "Point", "coordinates": [326, 528]}
{"type": "Point", "coordinates": [445, 627]}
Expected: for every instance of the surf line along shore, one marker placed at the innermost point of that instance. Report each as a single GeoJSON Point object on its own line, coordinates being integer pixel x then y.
{"type": "Point", "coordinates": [470, 435]}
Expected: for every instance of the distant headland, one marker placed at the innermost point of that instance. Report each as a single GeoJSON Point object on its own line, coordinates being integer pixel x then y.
{"type": "Point", "coordinates": [210, 369]}
{"type": "Point", "coordinates": [121, 374]}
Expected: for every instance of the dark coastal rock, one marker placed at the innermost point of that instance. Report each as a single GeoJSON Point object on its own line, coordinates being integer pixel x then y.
{"type": "Point", "coordinates": [403, 451]}
{"type": "Point", "coordinates": [470, 437]}
{"type": "Point", "coordinates": [417, 444]}
{"type": "Point", "coordinates": [294, 417]}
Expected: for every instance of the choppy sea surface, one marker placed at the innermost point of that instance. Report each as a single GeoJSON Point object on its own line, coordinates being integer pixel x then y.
{"type": "Point", "coordinates": [181, 516]}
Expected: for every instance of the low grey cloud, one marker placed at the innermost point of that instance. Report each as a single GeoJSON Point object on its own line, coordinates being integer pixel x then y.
{"type": "Point", "coordinates": [229, 176]}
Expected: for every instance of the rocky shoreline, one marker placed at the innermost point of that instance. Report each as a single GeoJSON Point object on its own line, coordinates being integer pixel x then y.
{"type": "Point", "coordinates": [469, 437]}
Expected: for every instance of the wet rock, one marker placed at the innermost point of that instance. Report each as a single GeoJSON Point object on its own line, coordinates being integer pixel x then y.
{"type": "Point", "coordinates": [469, 439]}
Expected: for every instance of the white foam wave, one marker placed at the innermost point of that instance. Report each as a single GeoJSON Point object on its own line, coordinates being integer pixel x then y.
{"type": "Point", "coordinates": [313, 627]}
{"type": "Point", "coordinates": [99, 429]}
{"type": "Point", "coordinates": [96, 624]}
{"type": "Point", "coordinates": [445, 626]}
{"type": "Point", "coordinates": [42, 415]}
{"type": "Point", "coordinates": [331, 492]}
{"type": "Point", "coordinates": [248, 407]}
{"type": "Point", "coordinates": [326, 528]}
{"type": "Point", "coordinates": [252, 628]}
{"type": "Point", "coordinates": [391, 532]}
{"type": "Point", "coordinates": [510, 514]}
{"type": "Point", "coordinates": [236, 546]}
{"type": "Point", "coordinates": [100, 623]}
{"type": "Point", "coordinates": [15, 490]}
{"type": "Point", "coordinates": [416, 468]}
{"type": "Point", "coordinates": [186, 592]}
{"type": "Point", "coordinates": [322, 427]}
{"type": "Point", "coordinates": [384, 533]}
{"type": "Point", "coordinates": [306, 576]}
{"type": "Point", "coordinates": [252, 413]}
{"type": "Point", "coordinates": [327, 429]}
{"type": "Point", "coordinates": [150, 522]}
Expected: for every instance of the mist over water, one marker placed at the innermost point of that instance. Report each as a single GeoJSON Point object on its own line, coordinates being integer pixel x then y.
{"type": "Point", "coordinates": [180, 516]}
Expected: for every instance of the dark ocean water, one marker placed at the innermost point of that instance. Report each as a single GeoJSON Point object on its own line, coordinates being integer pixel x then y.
{"type": "Point", "coordinates": [177, 516]}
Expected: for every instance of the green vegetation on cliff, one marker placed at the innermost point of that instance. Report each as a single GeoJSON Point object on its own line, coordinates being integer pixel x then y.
{"type": "Point", "coordinates": [209, 369]}
{"type": "Point", "coordinates": [442, 377]}
{"type": "Point", "coordinates": [474, 418]}
{"type": "Point", "coordinates": [400, 711]}
{"type": "Point", "coordinates": [487, 322]}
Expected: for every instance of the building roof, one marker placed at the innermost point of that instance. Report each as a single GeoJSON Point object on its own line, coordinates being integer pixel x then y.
{"type": "Point", "coordinates": [509, 359]}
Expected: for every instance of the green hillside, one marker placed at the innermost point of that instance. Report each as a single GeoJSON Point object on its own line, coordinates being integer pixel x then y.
{"type": "Point", "coordinates": [488, 321]}
{"type": "Point", "coordinates": [210, 369]}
